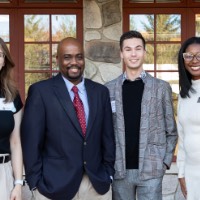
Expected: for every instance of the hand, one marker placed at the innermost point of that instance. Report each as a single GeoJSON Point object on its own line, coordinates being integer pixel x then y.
{"type": "Point", "coordinates": [183, 186]}
{"type": "Point", "coordinates": [16, 193]}
{"type": "Point", "coordinates": [164, 167]}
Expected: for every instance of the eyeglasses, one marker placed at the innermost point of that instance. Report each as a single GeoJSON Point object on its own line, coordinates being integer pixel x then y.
{"type": "Point", "coordinates": [189, 56]}
{"type": "Point", "coordinates": [2, 55]}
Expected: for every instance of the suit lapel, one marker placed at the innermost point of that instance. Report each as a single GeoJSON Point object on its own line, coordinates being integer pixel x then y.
{"type": "Point", "coordinates": [62, 94]}
{"type": "Point", "coordinates": [144, 121]}
{"type": "Point", "coordinates": [119, 110]}
{"type": "Point", "coordinates": [92, 102]}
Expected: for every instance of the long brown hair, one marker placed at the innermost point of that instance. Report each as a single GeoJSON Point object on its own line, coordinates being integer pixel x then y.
{"type": "Point", "coordinates": [7, 84]}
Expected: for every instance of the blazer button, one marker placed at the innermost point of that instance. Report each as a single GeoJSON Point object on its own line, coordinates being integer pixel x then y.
{"type": "Point", "coordinates": [85, 162]}
{"type": "Point", "coordinates": [85, 143]}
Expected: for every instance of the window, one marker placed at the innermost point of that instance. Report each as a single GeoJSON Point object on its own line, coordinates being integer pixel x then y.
{"type": "Point", "coordinates": [162, 33]}
{"type": "Point", "coordinates": [165, 24]}
{"type": "Point", "coordinates": [41, 36]}
{"type": "Point", "coordinates": [4, 24]}
{"type": "Point", "coordinates": [33, 35]}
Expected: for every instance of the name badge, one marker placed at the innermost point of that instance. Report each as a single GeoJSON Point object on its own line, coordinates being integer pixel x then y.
{"type": "Point", "coordinates": [8, 106]}
{"type": "Point", "coordinates": [113, 106]}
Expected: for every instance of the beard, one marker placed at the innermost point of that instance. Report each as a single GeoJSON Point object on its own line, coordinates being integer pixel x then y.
{"type": "Point", "coordinates": [74, 75]}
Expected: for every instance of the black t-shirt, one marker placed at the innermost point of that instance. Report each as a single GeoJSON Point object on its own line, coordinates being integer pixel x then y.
{"type": "Point", "coordinates": [132, 98]}
{"type": "Point", "coordinates": [7, 123]}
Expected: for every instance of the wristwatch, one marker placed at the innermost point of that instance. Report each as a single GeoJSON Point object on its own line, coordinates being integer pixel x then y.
{"type": "Point", "coordinates": [19, 181]}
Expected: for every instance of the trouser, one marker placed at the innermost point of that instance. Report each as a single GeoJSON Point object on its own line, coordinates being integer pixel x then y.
{"type": "Point", "coordinates": [85, 192]}
{"type": "Point", "coordinates": [131, 187]}
{"type": "Point", "coordinates": [6, 179]}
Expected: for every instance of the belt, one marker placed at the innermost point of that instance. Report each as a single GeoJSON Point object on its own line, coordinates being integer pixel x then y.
{"type": "Point", "coordinates": [4, 159]}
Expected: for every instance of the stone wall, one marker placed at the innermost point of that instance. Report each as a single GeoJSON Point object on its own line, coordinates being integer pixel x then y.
{"type": "Point", "coordinates": [102, 30]}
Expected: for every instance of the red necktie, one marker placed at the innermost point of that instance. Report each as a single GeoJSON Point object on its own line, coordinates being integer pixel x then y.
{"type": "Point", "coordinates": [78, 105]}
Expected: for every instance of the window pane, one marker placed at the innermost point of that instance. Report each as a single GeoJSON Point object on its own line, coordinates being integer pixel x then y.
{"type": "Point", "coordinates": [143, 24]}
{"type": "Point", "coordinates": [141, 1]}
{"type": "Point", "coordinates": [197, 24]}
{"type": "Point", "coordinates": [36, 28]}
{"type": "Point", "coordinates": [166, 56]}
{"type": "Point", "coordinates": [37, 57]}
{"type": "Point", "coordinates": [4, 30]}
{"type": "Point", "coordinates": [54, 73]}
{"type": "Point", "coordinates": [172, 78]}
{"type": "Point", "coordinates": [54, 53]}
{"type": "Point", "coordinates": [31, 78]}
{"type": "Point", "coordinates": [63, 26]}
{"type": "Point", "coordinates": [44, 1]}
{"type": "Point", "coordinates": [33, 1]}
{"type": "Point", "coordinates": [149, 60]}
{"type": "Point", "coordinates": [168, 28]}
{"type": "Point", "coordinates": [168, 1]}
{"type": "Point", "coordinates": [4, 1]}
{"type": "Point", "coordinates": [155, 1]}
{"type": "Point", "coordinates": [67, 1]}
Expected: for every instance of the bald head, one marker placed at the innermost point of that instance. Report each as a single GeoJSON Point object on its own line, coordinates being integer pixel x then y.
{"type": "Point", "coordinates": [70, 58]}
{"type": "Point", "coordinates": [69, 41]}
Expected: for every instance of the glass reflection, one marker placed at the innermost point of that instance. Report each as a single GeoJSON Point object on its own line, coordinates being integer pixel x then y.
{"type": "Point", "coordinates": [144, 24]}
{"type": "Point", "coordinates": [5, 1]}
{"type": "Point", "coordinates": [155, 1]}
{"type": "Point", "coordinates": [166, 56]}
{"type": "Point", "coordinates": [31, 78]}
{"type": "Point", "coordinates": [37, 57]}
{"type": "Point", "coordinates": [168, 28]}
{"type": "Point", "coordinates": [4, 30]}
{"type": "Point", "coordinates": [57, 1]}
{"type": "Point", "coordinates": [172, 78]}
{"type": "Point", "coordinates": [63, 26]}
{"type": "Point", "coordinates": [36, 28]}
{"type": "Point", "coordinates": [197, 24]}
{"type": "Point", "coordinates": [67, 1]}
{"type": "Point", "coordinates": [34, 1]}
{"type": "Point", "coordinates": [149, 59]}
{"type": "Point", "coordinates": [54, 53]}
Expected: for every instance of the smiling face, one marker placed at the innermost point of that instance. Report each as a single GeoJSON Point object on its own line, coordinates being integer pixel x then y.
{"type": "Point", "coordinates": [133, 54]}
{"type": "Point", "coordinates": [193, 66]}
{"type": "Point", "coordinates": [70, 59]}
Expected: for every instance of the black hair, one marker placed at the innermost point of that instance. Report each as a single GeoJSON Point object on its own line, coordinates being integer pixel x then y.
{"type": "Point", "coordinates": [185, 83]}
{"type": "Point", "coordinates": [129, 35]}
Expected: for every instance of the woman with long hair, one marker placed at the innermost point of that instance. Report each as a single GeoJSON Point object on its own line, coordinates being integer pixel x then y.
{"type": "Point", "coordinates": [188, 158]}
{"type": "Point", "coordinates": [11, 166]}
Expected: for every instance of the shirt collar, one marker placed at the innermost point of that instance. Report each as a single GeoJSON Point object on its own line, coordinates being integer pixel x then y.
{"type": "Point", "coordinates": [141, 76]}
{"type": "Point", "coordinates": [80, 86]}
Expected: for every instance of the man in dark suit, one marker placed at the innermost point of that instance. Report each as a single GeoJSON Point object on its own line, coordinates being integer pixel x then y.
{"type": "Point", "coordinates": [68, 155]}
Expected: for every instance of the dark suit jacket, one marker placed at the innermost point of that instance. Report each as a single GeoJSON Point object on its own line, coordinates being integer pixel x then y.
{"type": "Point", "coordinates": [55, 153]}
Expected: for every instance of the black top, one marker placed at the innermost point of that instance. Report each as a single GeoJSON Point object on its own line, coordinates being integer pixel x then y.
{"type": "Point", "coordinates": [7, 123]}
{"type": "Point", "coordinates": [132, 98]}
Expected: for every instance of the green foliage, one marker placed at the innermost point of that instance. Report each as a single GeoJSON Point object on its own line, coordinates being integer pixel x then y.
{"type": "Point", "coordinates": [40, 49]}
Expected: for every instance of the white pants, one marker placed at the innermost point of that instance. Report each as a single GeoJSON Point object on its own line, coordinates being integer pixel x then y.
{"type": "Point", "coordinates": [85, 192]}
{"type": "Point", "coordinates": [192, 178]}
{"type": "Point", "coordinates": [6, 179]}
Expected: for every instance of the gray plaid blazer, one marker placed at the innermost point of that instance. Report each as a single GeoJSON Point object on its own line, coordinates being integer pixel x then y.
{"type": "Point", "coordinates": [158, 133]}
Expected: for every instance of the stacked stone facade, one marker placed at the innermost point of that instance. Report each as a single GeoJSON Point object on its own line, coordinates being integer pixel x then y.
{"type": "Point", "coordinates": [102, 30]}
